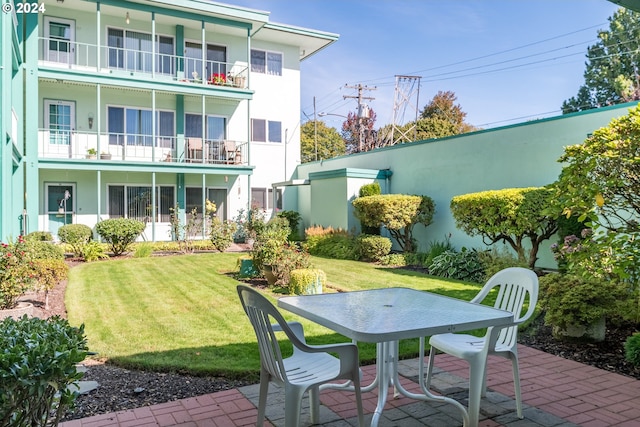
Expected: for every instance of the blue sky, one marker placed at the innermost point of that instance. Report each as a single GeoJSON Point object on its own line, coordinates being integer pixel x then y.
{"type": "Point", "coordinates": [507, 61]}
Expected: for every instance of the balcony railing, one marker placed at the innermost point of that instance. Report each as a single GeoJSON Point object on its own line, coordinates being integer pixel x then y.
{"type": "Point", "coordinates": [84, 56]}
{"type": "Point", "coordinates": [63, 144]}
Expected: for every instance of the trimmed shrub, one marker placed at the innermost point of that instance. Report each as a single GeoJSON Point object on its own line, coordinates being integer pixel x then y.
{"type": "Point", "coordinates": [398, 213]}
{"type": "Point", "coordinates": [632, 349]}
{"type": "Point", "coordinates": [336, 245]}
{"type": "Point", "coordinates": [222, 233]}
{"type": "Point", "coordinates": [40, 249]}
{"type": "Point", "coordinates": [395, 260]}
{"type": "Point", "coordinates": [464, 265]}
{"type": "Point", "coordinates": [372, 189]}
{"type": "Point", "coordinates": [372, 248]}
{"type": "Point", "coordinates": [570, 300]}
{"type": "Point", "coordinates": [76, 236]}
{"type": "Point", "coordinates": [39, 236]}
{"type": "Point", "coordinates": [37, 364]}
{"type": "Point", "coordinates": [511, 215]}
{"type": "Point", "coordinates": [304, 281]}
{"type": "Point", "coordinates": [119, 233]}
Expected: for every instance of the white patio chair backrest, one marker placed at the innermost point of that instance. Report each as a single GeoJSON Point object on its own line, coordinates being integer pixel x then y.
{"type": "Point", "coordinates": [514, 285]}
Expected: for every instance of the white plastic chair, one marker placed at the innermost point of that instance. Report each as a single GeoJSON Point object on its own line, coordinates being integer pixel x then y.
{"type": "Point", "coordinates": [514, 284]}
{"type": "Point", "coordinates": [306, 369]}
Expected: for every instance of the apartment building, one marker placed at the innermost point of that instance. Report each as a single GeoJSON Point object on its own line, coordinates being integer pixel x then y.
{"type": "Point", "coordinates": [138, 108]}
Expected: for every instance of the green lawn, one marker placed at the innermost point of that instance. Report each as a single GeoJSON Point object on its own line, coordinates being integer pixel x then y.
{"type": "Point", "coordinates": [182, 313]}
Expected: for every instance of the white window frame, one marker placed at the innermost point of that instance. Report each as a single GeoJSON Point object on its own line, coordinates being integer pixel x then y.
{"type": "Point", "coordinates": [267, 70]}
{"type": "Point", "coordinates": [157, 132]}
{"type": "Point", "coordinates": [267, 138]}
{"type": "Point", "coordinates": [156, 66]}
{"type": "Point", "coordinates": [158, 217]}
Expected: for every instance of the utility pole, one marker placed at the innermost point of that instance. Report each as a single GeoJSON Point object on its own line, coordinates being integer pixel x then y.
{"type": "Point", "coordinates": [315, 129]}
{"type": "Point", "coordinates": [363, 111]}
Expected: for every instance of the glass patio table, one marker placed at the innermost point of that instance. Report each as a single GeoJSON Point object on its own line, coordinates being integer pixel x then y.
{"type": "Point", "coordinates": [385, 316]}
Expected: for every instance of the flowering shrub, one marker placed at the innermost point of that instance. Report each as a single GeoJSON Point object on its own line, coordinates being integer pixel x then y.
{"type": "Point", "coordinates": [222, 233]}
{"type": "Point", "coordinates": [17, 272]}
{"type": "Point", "coordinates": [570, 244]}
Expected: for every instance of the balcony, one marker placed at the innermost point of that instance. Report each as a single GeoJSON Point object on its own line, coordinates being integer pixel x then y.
{"type": "Point", "coordinates": [84, 57]}
{"type": "Point", "coordinates": [60, 144]}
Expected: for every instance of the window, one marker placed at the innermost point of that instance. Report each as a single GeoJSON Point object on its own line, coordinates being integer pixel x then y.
{"type": "Point", "coordinates": [258, 130]}
{"type": "Point", "coordinates": [132, 50]}
{"type": "Point", "coordinates": [266, 131]}
{"type": "Point", "coordinates": [259, 198]}
{"type": "Point", "coordinates": [215, 64]}
{"type": "Point", "coordinates": [135, 202]}
{"type": "Point", "coordinates": [278, 205]}
{"type": "Point", "coordinates": [134, 125]}
{"type": "Point", "coordinates": [263, 198]}
{"type": "Point", "coordinates": [266, 62]}
{"type": "Point", "coordinates": [216, 129]}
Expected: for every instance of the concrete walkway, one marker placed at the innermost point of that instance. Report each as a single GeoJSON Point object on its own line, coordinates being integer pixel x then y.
{"type": "Point", "coordinates": [556, 393]}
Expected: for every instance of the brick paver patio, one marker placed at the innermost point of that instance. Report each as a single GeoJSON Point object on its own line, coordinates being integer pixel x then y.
{"type": "Point", "coordinates": [556, 393]}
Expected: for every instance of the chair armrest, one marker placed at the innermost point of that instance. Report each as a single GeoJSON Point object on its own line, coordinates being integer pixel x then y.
{"type": "Point", "coordinates": [296, 328]}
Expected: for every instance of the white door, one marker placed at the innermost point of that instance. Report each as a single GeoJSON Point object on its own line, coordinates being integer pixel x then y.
{"type": "Point", "coordinates": [59, 41]}
{"type": "Point", "coordinates": [60, 124]}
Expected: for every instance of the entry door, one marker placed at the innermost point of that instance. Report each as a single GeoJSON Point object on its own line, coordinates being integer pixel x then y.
{"type": "Point", "coordinates": [60, 40]}
{"type": "Point", "coordinates": [60, 205]}
{"type": "Point", "coordinates": [219, 197]}
{"type": "Point", "coordinates": [60, 123]}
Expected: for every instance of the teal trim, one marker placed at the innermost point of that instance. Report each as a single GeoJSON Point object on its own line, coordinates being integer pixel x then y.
{"type": "Point", "coordinates": [180, 52]}
{"type": "Point", "coordinates": [32, 191]}
{"type": "Point", "coordinates": [143, 82]}
{"type": "Point", "coordinates": [94, 165]}
{"type": "Point", "coordinates": [181, 14]}
{"type": "Point", "coordinates": [351, 173]}
{"type": "Point", "coordinates": [180, 126]}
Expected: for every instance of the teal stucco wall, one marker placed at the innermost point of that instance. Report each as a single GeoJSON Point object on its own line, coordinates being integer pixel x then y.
{"type": "Point", "coordinates": [523, 155]}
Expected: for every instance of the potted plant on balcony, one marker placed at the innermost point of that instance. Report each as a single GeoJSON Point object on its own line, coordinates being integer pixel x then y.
{"type": "Point", "coordinates": [105, 156]}
{"type": "Point", "coordinates": [92, 153]}
{"type": "Point", "coordinates": [218, 79]}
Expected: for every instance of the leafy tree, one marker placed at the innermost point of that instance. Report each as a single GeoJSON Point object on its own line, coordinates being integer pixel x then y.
{"type": "Point", "coordinates": [354, 126]}
{"type": "Point", "coordinates": [329, 142]}
{"type": "Point", "coordinates": [511, 215]}
{"type": "Point", "coordinates": [398, 213]}
{"type": "Point", "coordinates": [601, 179]}
{"type": "Point", "coordinates": [440, 117]}
{"type": "Point", "coordinates": [611, 74]}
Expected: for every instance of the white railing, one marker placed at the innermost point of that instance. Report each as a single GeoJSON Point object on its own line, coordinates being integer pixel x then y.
{"type": "Point", "coordinates": [64, 144]}
{"type": "Point", "coordinates": [84, 56]}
